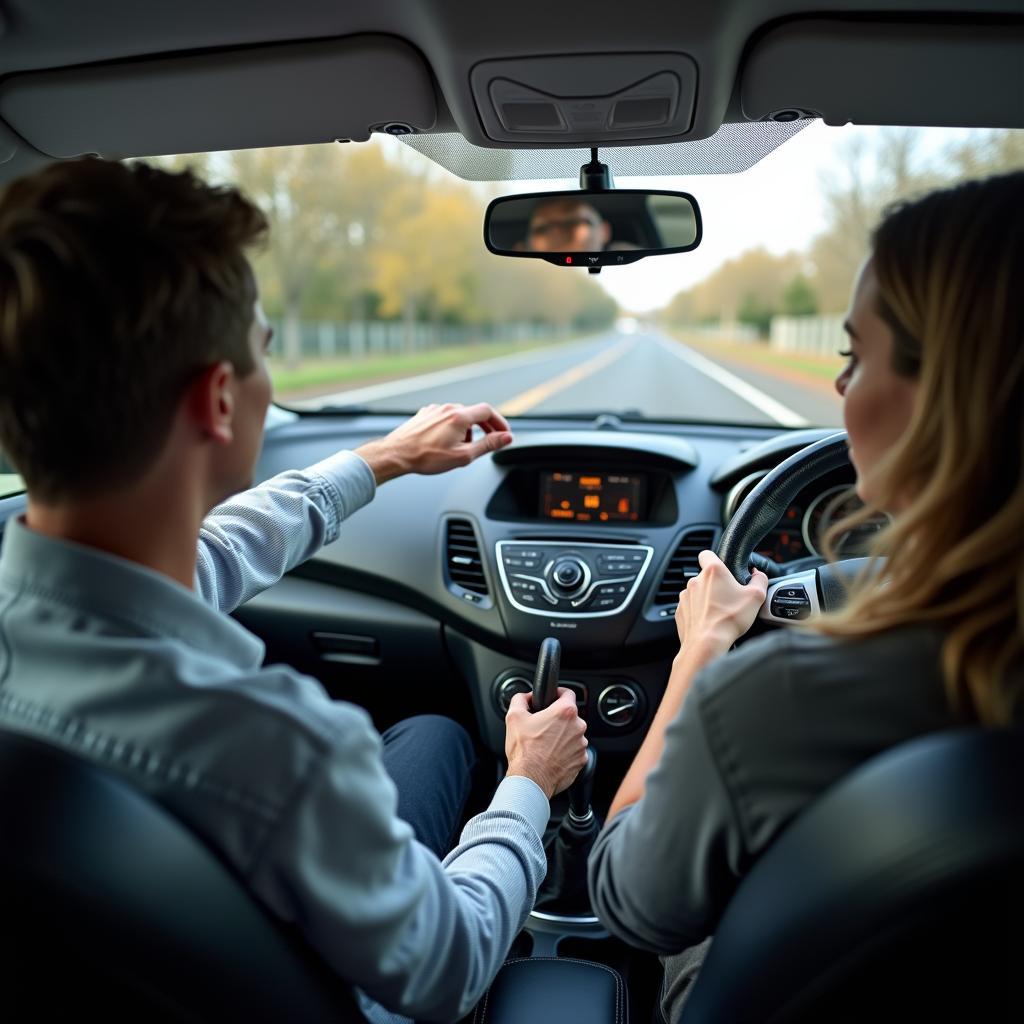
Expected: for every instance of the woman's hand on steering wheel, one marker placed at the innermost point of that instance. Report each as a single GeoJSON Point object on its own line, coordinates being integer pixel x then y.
{"type": "Point", "coordinates": [715, 610]}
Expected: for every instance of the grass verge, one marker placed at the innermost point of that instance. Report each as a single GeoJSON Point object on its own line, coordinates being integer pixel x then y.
{"type": "Point", "coordinates": [322, 375]}
{"type": "Point", "coordinates": [755, 353]}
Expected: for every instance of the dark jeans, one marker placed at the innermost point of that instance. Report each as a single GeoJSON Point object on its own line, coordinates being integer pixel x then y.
{"type": "Point", "coordinates": [430, 760]}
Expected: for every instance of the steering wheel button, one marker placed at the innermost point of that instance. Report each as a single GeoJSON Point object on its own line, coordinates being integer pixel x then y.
{"type": "Point", "coordinates": [791, 592]}
{"type": "Point", "coordinates": [790, 611]}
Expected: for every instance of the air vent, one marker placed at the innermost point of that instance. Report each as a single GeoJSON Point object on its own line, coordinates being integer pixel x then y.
{"type": "Point", "coordinates": [465, 568]}
{"type": "Point", "coordinates": [683, 565]}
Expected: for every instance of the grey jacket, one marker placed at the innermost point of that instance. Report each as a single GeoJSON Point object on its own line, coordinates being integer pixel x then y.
{"type": "Point", "coordinates": [761, 733]}
{"type": "Point", "coordinates": [130, 669]}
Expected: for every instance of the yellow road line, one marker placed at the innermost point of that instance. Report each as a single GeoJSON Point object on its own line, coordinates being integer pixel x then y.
{"type": "Point", "coordinates": [534, 396]}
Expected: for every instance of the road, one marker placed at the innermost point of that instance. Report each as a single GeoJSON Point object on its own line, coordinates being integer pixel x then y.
{"type": "Point", "coordinates": [647, 373]}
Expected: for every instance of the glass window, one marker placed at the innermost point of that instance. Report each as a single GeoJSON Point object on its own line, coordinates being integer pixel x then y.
{"type": "Point", "coordinates": [384, 297]}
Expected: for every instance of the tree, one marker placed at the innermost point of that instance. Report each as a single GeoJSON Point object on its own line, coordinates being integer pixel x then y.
{"type": "Point", "coordinates": [360, 231]}
{"type": "Point", "coordinates": [294, 187]}
{"type": "Point", "coordinates": [754, 313]}
{"type": "Point", "coordinates": [745, 289]}
{"type": "Point", "coordinates": [895, 168]}
{"type": "Point", "coordinates": [423, 269]}
{"type": "Point", "coordinates": [798, 298]}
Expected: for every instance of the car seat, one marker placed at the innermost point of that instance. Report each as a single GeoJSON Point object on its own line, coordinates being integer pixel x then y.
{"type": "Point", "coordinates": [109, 903]}
{"type": "Point", "coordinates": [896, 896]}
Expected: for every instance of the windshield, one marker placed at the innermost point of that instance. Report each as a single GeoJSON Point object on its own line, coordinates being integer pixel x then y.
{"type": "Point", "coordinates": [383, 296]}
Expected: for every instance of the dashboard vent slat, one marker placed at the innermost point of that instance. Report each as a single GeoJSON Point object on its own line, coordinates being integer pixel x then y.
{"type": "Point", "coordinates": [683, 565]}
{"type": "Point", "coordinates": [462, 556]}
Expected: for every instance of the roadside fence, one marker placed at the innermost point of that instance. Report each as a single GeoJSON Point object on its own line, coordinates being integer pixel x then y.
{"type": "Point", "coordinates": [819, 335]}
{"type": "Point", "coordinates": [324, 339]}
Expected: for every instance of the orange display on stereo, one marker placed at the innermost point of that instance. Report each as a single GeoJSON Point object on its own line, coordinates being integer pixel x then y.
{"type": "Point", "coordinates": [592, 497]}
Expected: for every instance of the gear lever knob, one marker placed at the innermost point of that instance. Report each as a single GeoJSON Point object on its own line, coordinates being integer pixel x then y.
{"type": "Point", "coordinates": [545, 679]}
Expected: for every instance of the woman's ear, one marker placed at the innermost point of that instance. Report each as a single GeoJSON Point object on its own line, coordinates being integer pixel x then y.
{"type": "Point", "coordinates": [211, 402]}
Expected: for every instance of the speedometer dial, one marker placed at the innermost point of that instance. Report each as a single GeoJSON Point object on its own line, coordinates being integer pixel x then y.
{"type": "Point", "coordinates": [831, 506]}
{"type": "Point", "coordinates": [784, 541]}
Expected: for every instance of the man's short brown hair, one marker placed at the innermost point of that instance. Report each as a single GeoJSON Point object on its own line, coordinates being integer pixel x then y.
{"type": "Point", "coordinates": [118, 284]}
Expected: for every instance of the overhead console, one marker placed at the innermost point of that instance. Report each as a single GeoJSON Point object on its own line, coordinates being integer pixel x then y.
{"type": "Point", "coordinates": [589, 99]}
{"type": "Point", "coordinates": [915, 75]}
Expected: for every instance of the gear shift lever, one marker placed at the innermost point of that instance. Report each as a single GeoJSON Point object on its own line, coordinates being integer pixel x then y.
{"type": "Point", "coordinates": [545, 690]}
{"type": "Point", "coordinates": [581, 814]}
{"type": "Point", "coordinates": [565, 887]}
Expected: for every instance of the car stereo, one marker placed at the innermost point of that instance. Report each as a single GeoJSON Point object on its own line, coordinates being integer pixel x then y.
{"type": "Point", "coordinates": [570, 581]}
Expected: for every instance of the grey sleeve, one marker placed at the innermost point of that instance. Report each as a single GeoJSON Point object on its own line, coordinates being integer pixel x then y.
{"type": "Point", "coordinates": [420, 937]}
{"type": "Point", "coordinates": [661, 868]}
{"type": "Point", "coordinates": [663, 871]}
{"type": "Point", "coordinates": [247, 543]}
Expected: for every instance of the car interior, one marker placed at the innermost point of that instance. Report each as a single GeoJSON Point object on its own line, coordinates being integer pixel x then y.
{"type": "Point", "coordinates": [445, 593]}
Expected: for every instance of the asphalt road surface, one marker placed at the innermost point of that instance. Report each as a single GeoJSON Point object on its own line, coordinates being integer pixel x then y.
{"type": "Point", "coordinates": [644, 373]}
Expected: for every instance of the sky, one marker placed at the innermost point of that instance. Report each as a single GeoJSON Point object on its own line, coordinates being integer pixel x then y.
{"type": "Point", "coordinates": [776, 204]}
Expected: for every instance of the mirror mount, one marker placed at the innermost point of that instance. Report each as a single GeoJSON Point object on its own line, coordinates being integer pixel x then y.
{"type": "Point", "coordinates": [595, 176]}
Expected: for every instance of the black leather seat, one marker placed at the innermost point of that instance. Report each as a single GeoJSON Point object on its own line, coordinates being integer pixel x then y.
{"type": "Point", "coordinates": [896, 896]}
{"type": "Point", "coordinates": [109, 904]}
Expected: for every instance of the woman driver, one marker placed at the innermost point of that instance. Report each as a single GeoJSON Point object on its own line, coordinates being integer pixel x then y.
{"type": "Point", "coordinates": [933, 402]}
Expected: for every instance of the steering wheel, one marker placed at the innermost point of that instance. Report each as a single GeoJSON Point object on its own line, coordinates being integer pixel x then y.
{"type": "Point", "coordinates": [799, 595]}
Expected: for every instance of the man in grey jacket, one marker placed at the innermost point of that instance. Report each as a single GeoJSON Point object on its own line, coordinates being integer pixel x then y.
{"type": "Point", "coordinates": [133, 391]}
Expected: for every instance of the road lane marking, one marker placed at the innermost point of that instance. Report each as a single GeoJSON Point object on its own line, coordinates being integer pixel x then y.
{"type": "Point", "coordinates": [782, 414]}
{"type": "Point", "coordinates": [534, 396]}
{"type": "Point", "coordinates": [438, 378]}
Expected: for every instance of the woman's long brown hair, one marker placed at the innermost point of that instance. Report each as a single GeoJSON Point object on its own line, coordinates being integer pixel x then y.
{"type": "Point", "coordinates": [950, 272]}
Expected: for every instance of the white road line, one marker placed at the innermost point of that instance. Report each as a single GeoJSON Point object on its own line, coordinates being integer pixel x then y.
{"type": "Point", "coordinates": [534, 396]}
{"type": "Point", "coordinates": [782, 414]}
{"type": "Point", "coordinates": [438, 378]}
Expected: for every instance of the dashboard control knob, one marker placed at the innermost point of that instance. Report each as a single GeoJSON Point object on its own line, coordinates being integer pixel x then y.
{"type": "Point", "coordinates": [618, 705]}
{"type": "Point", "coordinates": [507, 688]}
{"type": "Point", "coordinates": [567, 574]}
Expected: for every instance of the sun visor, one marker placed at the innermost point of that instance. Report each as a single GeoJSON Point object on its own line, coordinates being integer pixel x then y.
{"type": "Point", "coordinates": [888, 73]}
{"type": "Point", "coordinates": [263, 96]}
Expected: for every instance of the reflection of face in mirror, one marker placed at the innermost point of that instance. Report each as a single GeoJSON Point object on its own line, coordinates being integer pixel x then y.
{"type": "Point", "coordinates": [566, 224]}
{"type": "Point", "coordinates": [554, 224]}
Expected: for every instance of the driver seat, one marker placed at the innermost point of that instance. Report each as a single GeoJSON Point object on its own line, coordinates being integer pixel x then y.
{"type": "Point", "coordinates": [108, 902]}
{"type": "Point", "coordinates": [898, 895]}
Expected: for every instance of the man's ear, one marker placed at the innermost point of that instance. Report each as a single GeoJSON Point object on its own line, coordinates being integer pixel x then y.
{"type": "Point", "coordinates": [211, 402]}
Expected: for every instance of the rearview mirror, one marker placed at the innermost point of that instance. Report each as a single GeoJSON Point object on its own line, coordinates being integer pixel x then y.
{"type": "Point", "coordinates": [593, 229]}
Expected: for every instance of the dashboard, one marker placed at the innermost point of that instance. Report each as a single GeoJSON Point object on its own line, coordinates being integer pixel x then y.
{"type": "Point", "coordinates": [436, 596]}
{"type": "Point", "coordinates": [583, 532]}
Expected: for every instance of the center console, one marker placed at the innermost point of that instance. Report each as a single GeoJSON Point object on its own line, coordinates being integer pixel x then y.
{"type": "Point", "coordinates": [550, 990]}
{"type": "Point", "coordinates": [570, 581]}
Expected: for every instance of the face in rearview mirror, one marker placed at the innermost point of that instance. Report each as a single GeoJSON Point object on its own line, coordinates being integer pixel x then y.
{"type": "Point", "coordinates": [594, 229]}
